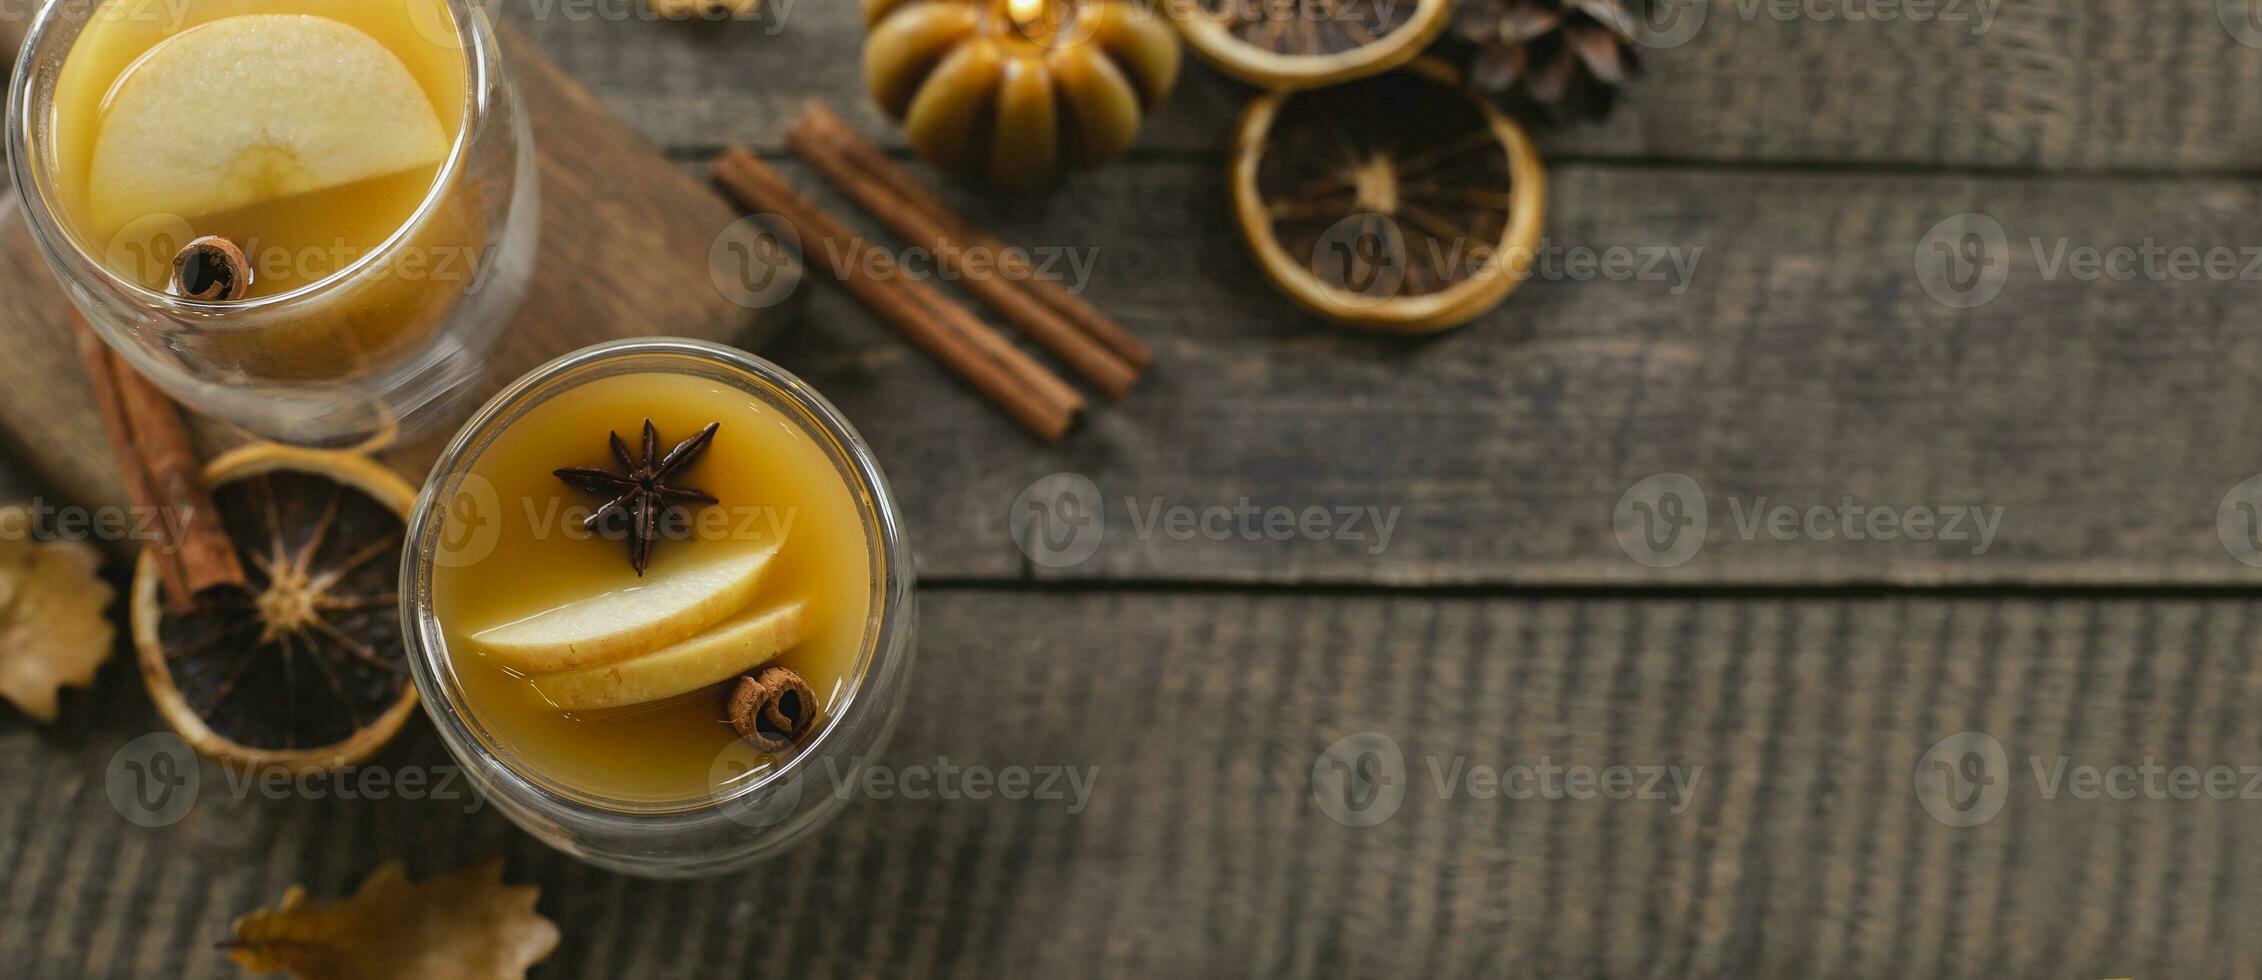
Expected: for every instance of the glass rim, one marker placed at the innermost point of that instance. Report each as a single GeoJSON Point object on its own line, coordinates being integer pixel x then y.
{"type": "Point", "coordinates": [33, 181]}
{"type": "Point", "coordinates": [888, 624]}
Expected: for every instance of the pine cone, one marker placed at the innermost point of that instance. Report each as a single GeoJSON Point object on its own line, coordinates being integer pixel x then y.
{"type": "Point", "coordinates": [1565, 57]}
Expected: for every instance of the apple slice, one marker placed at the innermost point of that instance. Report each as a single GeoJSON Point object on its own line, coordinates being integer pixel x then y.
{"type": "Point", "coordinates": [657, 611]}
{"type": "Point", "coordinates": [255, 108]}
{"type": "Point", "coordinates": [735, 646]}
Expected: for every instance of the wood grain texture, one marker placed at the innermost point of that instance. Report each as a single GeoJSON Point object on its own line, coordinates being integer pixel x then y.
{"type": "Point", "coordinates": [1801, 850]}
{"type": "Point", "coordinates": [2094, 85]}
{"type": "Point", "coordinates": [1805, 364]}
{"type": "Point", "coordinates": [624, 252]}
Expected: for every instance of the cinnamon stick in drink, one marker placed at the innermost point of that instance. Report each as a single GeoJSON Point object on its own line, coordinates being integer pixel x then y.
{"type": "Point", "coordinates": [162, 474]}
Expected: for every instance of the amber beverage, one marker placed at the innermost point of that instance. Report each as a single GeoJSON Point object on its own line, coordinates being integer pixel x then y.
{"type": "Point", "coordinates": [781, 511]}
{"type": "Point", "coordinates": [649, 586]}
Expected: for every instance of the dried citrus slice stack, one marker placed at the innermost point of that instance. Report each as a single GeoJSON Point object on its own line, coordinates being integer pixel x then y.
{"type": "Point", "coordinates": [1399, 202]}
{"type": "Point", "coordinates": [304, 669]}
{"type": "Point", "coordinates": [1295, 44]}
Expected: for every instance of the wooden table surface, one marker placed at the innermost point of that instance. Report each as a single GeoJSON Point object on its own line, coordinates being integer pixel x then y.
{"type": "Point", "coordinates": [1800, 677]}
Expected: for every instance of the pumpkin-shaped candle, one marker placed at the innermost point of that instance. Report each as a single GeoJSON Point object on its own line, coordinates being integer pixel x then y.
{"type": "Point", "coordinates": [1015, 90]}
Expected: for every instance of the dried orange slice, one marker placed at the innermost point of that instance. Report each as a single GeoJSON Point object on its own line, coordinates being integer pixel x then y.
{"type": "Point", "coordinates": [1295, 44]}
{"type": "Point", "coordinates": [304, 670]}
{"type": "Point", "coordinates": [1400, 202]}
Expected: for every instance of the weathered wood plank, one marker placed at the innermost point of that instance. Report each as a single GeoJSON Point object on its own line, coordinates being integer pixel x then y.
{"type": "Point", "coordinates": [2037, 85]}
{"type": "Point", "coordinates": [1805, 364]}
{"type": "Point", "coordinates": [1803, 848]}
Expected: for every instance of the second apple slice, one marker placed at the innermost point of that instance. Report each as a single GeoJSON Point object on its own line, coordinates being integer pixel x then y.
{"type": "Point", "coordinates": [652, 614]}
{"type": "Point", "coordinates": [735, 646]}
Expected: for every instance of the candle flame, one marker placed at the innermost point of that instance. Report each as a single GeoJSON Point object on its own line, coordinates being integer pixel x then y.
{"type": "Point", "coordinates": [1026, 12]}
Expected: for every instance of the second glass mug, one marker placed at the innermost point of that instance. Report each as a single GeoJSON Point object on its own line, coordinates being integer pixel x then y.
{"type": "Point", "coordinates": [383, 346]}
{"type": "Point", "coordinates": [750, 809]}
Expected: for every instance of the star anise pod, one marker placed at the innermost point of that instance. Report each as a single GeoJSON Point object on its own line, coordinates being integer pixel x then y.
{"type": "Point", "coordinates": [643, 492]}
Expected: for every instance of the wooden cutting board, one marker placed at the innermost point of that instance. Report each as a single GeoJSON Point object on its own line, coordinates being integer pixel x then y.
{"type": "Point", "coordinates": [625, 241]}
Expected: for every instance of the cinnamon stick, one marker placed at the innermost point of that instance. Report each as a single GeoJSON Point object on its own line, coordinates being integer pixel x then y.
{"type": "Point", "coordinates": [162, 474]}
{"type": "Point", "coordinates": [916, 196]}
{"type": "Point", "coordinates": [139, 492]}
{"type": "Point", "coordinates": [1032, 395]}
{"type": "Point", "coordinates": [1078, 349]}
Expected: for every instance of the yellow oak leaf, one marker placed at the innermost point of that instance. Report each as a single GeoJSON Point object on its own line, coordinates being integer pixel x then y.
{"type": "Point", "coordinates": [53, 630]}
{"type": "Point", "coordinates": [463, 925]}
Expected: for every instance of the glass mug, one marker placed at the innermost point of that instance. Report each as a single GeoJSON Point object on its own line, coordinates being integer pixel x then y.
{"type": "Point", "coordinates": [747, 806]}
{"type": "Point", "coordinates": [383, 344]}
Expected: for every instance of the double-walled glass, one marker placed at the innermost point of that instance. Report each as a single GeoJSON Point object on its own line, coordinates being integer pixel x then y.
{"type": "Point", "coordinates": [751, 809]}
{"type": "Point", "coordinates": [384, 344]}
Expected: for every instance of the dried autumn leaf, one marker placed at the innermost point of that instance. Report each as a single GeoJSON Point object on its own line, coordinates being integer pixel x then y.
{"type": "Point", "coordinates": [463, 925]}
{"type": "Point", "coordinates": [52, 627]}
